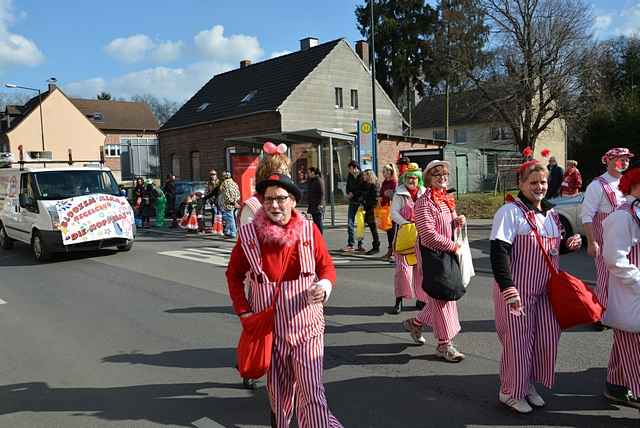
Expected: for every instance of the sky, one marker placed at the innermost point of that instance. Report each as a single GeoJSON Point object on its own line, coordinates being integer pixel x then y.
{"type": "Point", "coordinates": [171, 48]}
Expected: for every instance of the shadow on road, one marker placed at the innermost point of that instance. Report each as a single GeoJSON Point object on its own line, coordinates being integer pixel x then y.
{"type": "Point", "coordinates": [380, 401]}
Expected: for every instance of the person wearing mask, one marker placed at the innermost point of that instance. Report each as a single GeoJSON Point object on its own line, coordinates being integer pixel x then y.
{"type": "Point", "coordinates": [407, 278]}
{"type": "Point", "coordinates": [170, 192]}
{"type": "Point", "coordinates": [315, 197]}
{"type": "Point", "coordinates": [525, 322]}
{"type": "Point", "coordinates": [572, 181]}
{"type": "Point", "coordinates": [556, 175]}
{"type": "Point", "coordinates": [621, 253]}
{"type": "Point", "coordinates": [601, 198]}
{"type": "Point", "coordinates": [387, 190]}
{"type": "Point", "coordinates": [353, 197]}
{"type": "Point", "coordinates": [281, 243]}
{"type": "Point", "coordinates": [213, 188]}
{"type": "Point", "coordinates": [369, 195]}
{"type": "Point", "coordinates": [436, 218]}
{"type": "Point", "coordinates": [228, 201]}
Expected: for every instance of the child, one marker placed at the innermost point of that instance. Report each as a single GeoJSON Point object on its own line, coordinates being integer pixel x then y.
{"type": "Point", "coordinates": [189, 219]}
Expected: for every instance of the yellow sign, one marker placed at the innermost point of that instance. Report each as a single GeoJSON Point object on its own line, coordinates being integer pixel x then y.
{"type": "Point", "coordinates": [365, 128]}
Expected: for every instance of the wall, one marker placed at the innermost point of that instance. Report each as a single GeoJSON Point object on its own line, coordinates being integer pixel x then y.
{"type": "Point", "coordinates": [65, 127]}
{"type": "Point", "coordinates": [312, 103]}
{"type": "Point", "coordinates": [389, 151]}
{"type": "Point", "coordinates": [208, 139]}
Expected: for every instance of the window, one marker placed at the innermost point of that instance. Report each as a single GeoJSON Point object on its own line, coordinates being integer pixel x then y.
{"type": "Point", "coordinates": [195, 166]}
{"type": "Point", "coordinates": [354, 99]}
{"type": "Point", "coordinates": [503, 133]}
{"type": "Point", "coordinates": [203, 107]}
{"type": "Point", "coordinates": [249, 96]}
{"type": "Point", "coordinates": [112, 150]}
{"type": "Point", "coordinates": [175, 165]}
{"type": "Point", "coordinates": [439, 134]}
{"type": "Point", "coordinates": [339, 103]}
{"type": "Point", "coordinates": [54, 185]}
{"type": "Point", "coordinates": [97, 116]}
{"type": "Point", "coordinates": [460, 136]}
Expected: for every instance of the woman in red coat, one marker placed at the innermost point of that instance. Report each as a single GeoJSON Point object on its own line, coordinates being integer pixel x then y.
{"type": "Point", "coordinates": [572, 181]}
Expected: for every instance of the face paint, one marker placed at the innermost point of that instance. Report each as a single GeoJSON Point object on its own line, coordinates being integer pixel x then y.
{"type": "Point", "coordinates": [622, 164]}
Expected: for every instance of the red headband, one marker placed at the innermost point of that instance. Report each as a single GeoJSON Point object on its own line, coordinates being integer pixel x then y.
{"type": "Point", "coordinates": [271, 149]}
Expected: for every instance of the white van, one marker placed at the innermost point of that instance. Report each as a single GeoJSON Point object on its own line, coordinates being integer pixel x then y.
{"type": "Point", "coordinates": [65, 209]}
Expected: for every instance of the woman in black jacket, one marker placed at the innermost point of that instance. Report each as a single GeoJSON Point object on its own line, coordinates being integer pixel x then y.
{"type": "Point", "coordinates": [369, 198]}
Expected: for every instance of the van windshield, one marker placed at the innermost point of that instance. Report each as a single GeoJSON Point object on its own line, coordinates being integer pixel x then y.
{"type": "Point", "coordinates": [54, 185]}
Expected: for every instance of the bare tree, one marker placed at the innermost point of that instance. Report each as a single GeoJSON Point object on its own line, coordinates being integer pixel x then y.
{"type": "Point", "coordinates": [538, 47]}
{"type": "Point", "coordinates": [14, 98]}
{"type": "Point", "coordinates": [162, 109]}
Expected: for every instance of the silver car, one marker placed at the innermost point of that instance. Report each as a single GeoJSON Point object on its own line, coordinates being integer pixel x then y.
{"type": "Point", "coordinates": [569, 207]}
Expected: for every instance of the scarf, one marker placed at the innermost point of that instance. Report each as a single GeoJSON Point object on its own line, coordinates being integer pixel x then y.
{"type": "Point", "coordinates": [440, 196]}
{"type": "Point", "coordinates": [271, 233]}
{"type": "Point", "coordinates": [413, 193]}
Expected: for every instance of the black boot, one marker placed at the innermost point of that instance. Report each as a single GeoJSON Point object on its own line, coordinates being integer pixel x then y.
{"type": "Point", "coordinates": [273, 420]}
{"type": "Point", "coordinates": [398, 306]}
{"type": "Point", "coordinates": [249, 383]}
{"type": "Point", "coordinates": [374, 250]}
{"type": "Point", "coordinates": [420, 304]}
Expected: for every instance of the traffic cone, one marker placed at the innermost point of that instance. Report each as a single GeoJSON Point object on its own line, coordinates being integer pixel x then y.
{"type": "Point", "coordinates": [217, 225]}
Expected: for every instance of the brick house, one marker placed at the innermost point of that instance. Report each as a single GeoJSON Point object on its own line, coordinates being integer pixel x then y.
{"type": "Point", "coordinates": [310, 100]}
{"type": "Point", "coordinates": [481, 145]}
{"type": "Point", "coordinates": [131, 139]}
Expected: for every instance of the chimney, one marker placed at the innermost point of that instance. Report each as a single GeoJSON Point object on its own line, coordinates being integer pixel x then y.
{"type": "Point", "coordinates": [244, 63]}
{"type": "Point", "coordinates": [362, 49]}
{"type": "Point", "coordinates": [307, 43]}
{"type": "Point", "coordinates": [52, 83]}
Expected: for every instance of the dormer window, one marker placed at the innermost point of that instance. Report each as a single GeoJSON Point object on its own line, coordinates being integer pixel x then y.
{"type": "Point", "coordinates": [97, 116]}
{"type": "Point", "coordinates": [249, 96]}
{"type": "Point", "coordinates": [203, 107]}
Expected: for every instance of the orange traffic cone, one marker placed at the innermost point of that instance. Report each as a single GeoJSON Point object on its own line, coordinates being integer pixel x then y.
{"type": "Point", "coordinates": [217, 225]}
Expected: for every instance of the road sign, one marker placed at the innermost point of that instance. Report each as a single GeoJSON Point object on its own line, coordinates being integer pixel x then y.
{"type": "Point", "coordinates": [366, 140]}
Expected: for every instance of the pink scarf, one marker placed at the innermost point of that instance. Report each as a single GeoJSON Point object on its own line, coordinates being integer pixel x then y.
{"type": "Point", "coordinates": [271, 233]}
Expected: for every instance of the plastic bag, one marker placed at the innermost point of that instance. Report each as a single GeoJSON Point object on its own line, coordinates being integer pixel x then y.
{"type": "Point", "coordinates": [360, 224]}
{"type": "Point", "coordinates": [464, 256]}
{"type": "Point", "coordinates": [383, 217]}
{"type": "Point", "coordinates": [406, 239]}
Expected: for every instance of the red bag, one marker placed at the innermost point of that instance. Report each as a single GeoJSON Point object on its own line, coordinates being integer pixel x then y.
{"type": "Point", "coordinates": [253, 353]}
{"type": "Point", "coordinates": [572, 301]}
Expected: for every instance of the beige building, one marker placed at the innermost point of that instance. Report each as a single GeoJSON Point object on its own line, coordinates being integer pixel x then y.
{"type": "Point", "coordinates": [64, 126]}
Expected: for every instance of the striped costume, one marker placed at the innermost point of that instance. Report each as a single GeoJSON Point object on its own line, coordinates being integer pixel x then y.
{"type": "Point", "coordinates": [434, 224]}
{"type": "Point", "coordinates": [530, 341]}
{"type": "Point", "coordinates": [295, 375]}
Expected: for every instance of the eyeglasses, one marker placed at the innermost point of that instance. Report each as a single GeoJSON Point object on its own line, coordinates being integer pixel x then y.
{"type": "Point", "coordinates": [444, 174]}
{"type": "Point", "coordinates": [280, 199]}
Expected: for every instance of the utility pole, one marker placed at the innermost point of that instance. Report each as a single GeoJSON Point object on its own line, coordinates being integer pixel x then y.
{"type": "Point", "coordinates": [445, 17]}
{"type": "Point", "coordinates": [374, 137]}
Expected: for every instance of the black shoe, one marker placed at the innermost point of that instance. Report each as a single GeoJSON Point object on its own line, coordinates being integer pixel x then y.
{"type": "Point", "coordinates": [373, 251]}
{"type": "Point", "coordinates": [420, 304]}
{"type": "Point", "coordinates": [398, 306]}
{"type": "Point", "coordinates": [249, 383]}
{"type": "Point", "coordinates": [598, 326]}
{"type": "Point", "coordinates": [273, 420]}
{"type": "Point", "coordinates": [621, 395]}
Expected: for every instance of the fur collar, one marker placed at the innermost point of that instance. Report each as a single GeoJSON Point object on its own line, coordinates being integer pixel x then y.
{"type": "Point", "coordinates": [271, 233]}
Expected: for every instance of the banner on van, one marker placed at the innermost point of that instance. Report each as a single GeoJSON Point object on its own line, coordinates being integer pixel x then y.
{"type": "Point", "coordinates": [93, 218]}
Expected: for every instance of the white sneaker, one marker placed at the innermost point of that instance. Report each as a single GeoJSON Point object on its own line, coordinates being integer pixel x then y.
{"type": "Point", "coordinates": [534, 398]}
{"type": "Point", "coordinates": [449, 353]}
{"type": "Point", "coordinates": [520, 406]}
{"type": "Point", "coordinates": [414, 330]}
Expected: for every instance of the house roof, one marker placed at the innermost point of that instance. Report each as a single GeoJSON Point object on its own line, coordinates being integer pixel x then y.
{"type": "Point", "coordinates": [465, 108]}
{"type": "Point", "coordinates": [117, 115]}
{"type": "Point", "coordinates": [21, 112]}
{"type": "Point", "coordinates": [262, 86]}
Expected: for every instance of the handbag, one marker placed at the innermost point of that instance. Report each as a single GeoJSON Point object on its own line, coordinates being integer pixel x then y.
{"type": "Point", "coordinates": [573, 303]}
{"type": "Point", "coordinates": [406, 238]}
{"type": "Point", "coordinates": [253, 353]}
{"type": "Point", "coordinates": [441, 276]}
{"type": "Point", "coordinates": [360, 224]}
{"type": "Point", "coordinates": [464, 256]}
{"type": "Point", "coordinates": [383, 217]}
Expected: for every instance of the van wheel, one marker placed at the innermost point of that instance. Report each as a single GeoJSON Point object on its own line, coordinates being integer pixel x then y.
{"type": "Point", "coordinates": [40, 251]}
{"type": "Point", "coordinates": [6, 243]}
{"type": "Point", "coordinates": [127, 246]}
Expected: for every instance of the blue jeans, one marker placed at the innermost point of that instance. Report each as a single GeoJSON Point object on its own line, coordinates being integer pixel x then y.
{"type": "Point", "coordinates": [351, 223]}
{"type": "Point", "coordinates": [229, 223]}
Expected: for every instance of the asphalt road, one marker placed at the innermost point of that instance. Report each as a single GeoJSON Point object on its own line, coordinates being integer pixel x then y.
{"type": "Point", "coordinates": [146, 339]}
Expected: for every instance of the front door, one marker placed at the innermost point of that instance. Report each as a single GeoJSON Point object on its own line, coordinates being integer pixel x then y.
{"type": "Point", "coordinates": [28, 208]}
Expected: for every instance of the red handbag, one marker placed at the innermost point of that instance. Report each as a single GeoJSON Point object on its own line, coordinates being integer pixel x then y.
{"type": "Point", "coordinates": [255, 345]}
{"type": "Point", "coordinates": [572, 300]}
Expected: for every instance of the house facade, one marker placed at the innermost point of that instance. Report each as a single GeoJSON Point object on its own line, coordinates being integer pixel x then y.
{"type": "Point", "coordinates": [131, 139]}
{"type": "Point", "coordinates": [481, 147]}
{"type": "Point", "coordinates": [52, 121]}
{"type": "Point", "coordinates": [310, 100]}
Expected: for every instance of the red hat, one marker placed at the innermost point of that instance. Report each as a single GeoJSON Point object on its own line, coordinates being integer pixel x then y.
{"type": "Point", "coordinates": [617, 152]}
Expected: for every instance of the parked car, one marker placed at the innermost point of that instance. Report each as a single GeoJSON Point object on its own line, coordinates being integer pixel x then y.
{"type": "Point", "coordinates": [569, 210]}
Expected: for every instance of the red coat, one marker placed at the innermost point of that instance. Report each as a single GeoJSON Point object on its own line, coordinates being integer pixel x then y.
{"type": "Point", "coordinates": [571, 183]}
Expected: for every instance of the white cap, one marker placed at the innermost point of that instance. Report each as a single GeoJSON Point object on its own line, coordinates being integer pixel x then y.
{"type": "Point", "coordinates": [435, 163]}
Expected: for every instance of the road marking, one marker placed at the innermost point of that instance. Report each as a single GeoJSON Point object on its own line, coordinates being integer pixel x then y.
{"type": "Point", "coordinates": [2, 302]}
{"type": "Point", "coordinates": [206, 423]}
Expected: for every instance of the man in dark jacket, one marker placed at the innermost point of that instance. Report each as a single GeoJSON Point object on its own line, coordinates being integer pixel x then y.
{"type": "Point", "coordinates": [315, 196]}
{"type": "Point", "coordinates": [556, 175]}
{"type": "Point", "coordinates": [354, 198]}
{"type": "Point", "coordinates": [169, 190]}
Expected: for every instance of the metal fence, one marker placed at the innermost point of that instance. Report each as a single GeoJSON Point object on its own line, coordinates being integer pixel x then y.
{"type": "Point", "coordinates": [139, 158]}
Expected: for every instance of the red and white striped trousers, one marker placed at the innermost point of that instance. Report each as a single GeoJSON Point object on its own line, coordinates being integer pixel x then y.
{"type": "Point", "coordinates": [602, 273]}
{"type": "Point", "coordinates": [442, 316]}
{"type": "Point", "coordinates": [529, 342]}
{"type": "Point", "coordinates": [624, 362]}
{"type": "Point", "coordinates": [296, 371]}
{"type": "Point", "coordinates": [407, 280]}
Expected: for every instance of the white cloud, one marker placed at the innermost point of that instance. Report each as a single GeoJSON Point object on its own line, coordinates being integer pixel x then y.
{"type": "Point", "coordinates": [14, 48]}
{"type": "Point", "coordinates": [213, 45]}
{"type": "Point", "coordinates": [167, 51]}
{"type": "Point", "coordinates": [129, 49]}
{"type": "Point", "coordinates": [279, 53]}
{"type": "Point", "coordinates": [86, 88]}
{"type": "Point", "coordinates": [602, 22]}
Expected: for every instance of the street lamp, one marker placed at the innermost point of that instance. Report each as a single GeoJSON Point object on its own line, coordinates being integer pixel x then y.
{"type": "Point", "coordinates": [12, 86]}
